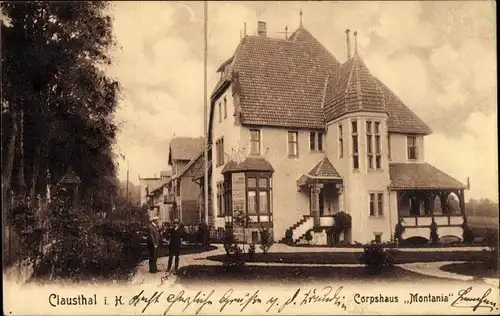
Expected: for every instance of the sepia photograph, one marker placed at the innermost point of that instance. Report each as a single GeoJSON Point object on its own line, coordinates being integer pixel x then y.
{"type": "Point", "coordinates": [249, 157]}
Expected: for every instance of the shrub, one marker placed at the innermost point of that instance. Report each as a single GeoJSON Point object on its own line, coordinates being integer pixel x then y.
{"type": "Point", "coordinates": [343, 223]}
{"type": "Point", "coordinates": [229, 239]}
{"type": "Point", "coordinates": [234, 258]}
{"type": "Point", "coordinates": [308, 236]}
{"type": "Point", "coordinates": [491, 252]}
{"type": "Point", "coordinates": [251, 252]}
{"type": "Point", "coordinates": [203, 235]}
{"type": "Point", "coordinates": [434, 237]}
{"type": "Point", "coordinates": [399, 231]}
{"type": "Point", "coordinates": [375, 257]}
{"type": "Point", "coordinates": [467, 234]}
{"type": "Point", "coordinates": [266, 240]}
{"type": "Point", "coordinates": [289, 237]}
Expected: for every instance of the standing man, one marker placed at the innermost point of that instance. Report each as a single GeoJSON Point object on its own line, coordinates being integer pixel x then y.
{"type": "Point", "coordinates": [174, 247]}
{"type": "Point", "coordinates": [153, 243]}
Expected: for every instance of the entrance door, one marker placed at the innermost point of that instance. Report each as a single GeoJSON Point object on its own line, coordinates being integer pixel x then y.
{"type": "Point", "coordinates": [321, 203]}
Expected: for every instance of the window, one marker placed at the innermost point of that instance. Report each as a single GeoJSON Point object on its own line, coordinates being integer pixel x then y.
{"type": "Point", "coordinates": [389, 145]}
{"type": "Point", "coordinates": [378, 238]}
{"type": "Point", "coordinates": [220, 112]}
{"type": "Point", "coordinates": [372, 204]}
{"type": "Point", "coordinates": [316, 141]}
{"type": "Point", "coordinates": [369, 144]}
{"type": "Point", "coordinates": [355, 151]}
{"type": "Point", "coordinates": [220, 202]}
{"type": "Point", "coordinates": [255, 142]}
{"type": "Point", "coordinates": [374, 149]}
{"type": "Point", "coordinates": [259, 196]}
{"type": "Point", "coordinates": [341, 142]}
{"type": "Point", "coordinates": [293, 145]}
{"type": "Point", "coordinates": [225, 107]}
{"type": "Point", "coordinates": [377, 204]}
{"type": "Point", "coordinates": [219, 144]}
{"type": "Point", "coordinates": [380, 206]}
{"type": "Point", "coordinates": [228, 196]}
{"type": "Point", "coordinates": [412, 147]}
{"type": "Point", "coordinates": [255, 237]}
{"type": "Point", "coordinates": [378, 147]}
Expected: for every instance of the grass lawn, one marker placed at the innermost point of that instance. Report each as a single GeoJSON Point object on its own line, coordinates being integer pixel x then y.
{"type": "Point", "coordinates": [474, 269]}
{"type": "Point", "coordinates": [198, 274]}
{"type": "Point", "coordinates": [353, 257]}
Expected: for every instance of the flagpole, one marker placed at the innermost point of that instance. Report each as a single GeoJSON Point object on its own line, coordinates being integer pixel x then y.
{"type": "Point", "coordinates": [205, 176]}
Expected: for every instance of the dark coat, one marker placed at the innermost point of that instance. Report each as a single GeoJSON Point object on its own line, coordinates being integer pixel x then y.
{"type": "Point", "coordinates": [175, 239]}
{"type": "Point", "coordinates": [153, 235]}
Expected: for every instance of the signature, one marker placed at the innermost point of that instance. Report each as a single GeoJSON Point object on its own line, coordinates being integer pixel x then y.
{"type": "Point", "coordinates": [465, 300]}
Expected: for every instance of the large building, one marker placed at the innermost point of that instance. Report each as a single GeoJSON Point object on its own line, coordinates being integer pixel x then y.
{"type": "Point", "coordinates": [297, 137]}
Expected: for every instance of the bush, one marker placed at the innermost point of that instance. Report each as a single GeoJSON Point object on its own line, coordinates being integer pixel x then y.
{"type": "Point", "coordinates": [251, 252]}
{"type": "Point", "coordinates": [343, 223]}
{"type": "Point", "coordinates": [375, 257]}
{"type": "Point", "coordinates": [399, 231]}
{"type": "Point", "coordinates": [434, 237]}
{"type": "Point", "coordinates": [308, 236]}
{"type": "Point", "coordinates": [467, 234]}
{"type": "Point", "coordinates": [491, 258]}
{"type": "Point", "coordinates": [203, 235]}
{"type": "Point", "coordinates": [89, 246]}
{"type": "Point", "coordinates": [266, 240]}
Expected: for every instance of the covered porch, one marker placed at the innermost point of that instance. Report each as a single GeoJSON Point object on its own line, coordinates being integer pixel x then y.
{"type": "Point", "coordinates": [324, 186]}
{"type": "Point", "coordinates": [426, 194]}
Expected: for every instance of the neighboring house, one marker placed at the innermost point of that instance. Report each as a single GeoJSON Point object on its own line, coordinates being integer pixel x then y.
{"type": "Point", "coordinates": [297, 137]}
{"type": "Point", "coordinates": [182, 193]}
{"type": "Point", "coordinates": [152, 192]}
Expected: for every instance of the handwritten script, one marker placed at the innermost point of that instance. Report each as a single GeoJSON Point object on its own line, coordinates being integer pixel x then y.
{"type": "Point", "coordinates": [326, 295]}
{"type": "Point", "coordinates": [466, 299]}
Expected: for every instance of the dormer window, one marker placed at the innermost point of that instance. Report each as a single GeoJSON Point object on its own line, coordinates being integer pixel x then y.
{"type": "Point", "coordinates": [412, 147]}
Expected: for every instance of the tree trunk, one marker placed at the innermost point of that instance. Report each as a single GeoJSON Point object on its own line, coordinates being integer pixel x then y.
{"type": "Point", "coordinates": [20, 170]}
{"type": "Point", "coordinates": [11, 146]}
{"type": "Point", "coordinates": [40, 156]}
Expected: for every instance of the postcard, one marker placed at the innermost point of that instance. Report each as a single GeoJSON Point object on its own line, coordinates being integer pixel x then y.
{"type": "Point", "coordinates": [253, 158]}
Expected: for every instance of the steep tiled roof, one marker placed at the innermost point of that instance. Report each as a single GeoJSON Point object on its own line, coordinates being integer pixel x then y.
{"type": "Point", "coordinates": [70, 177]}
{"type": "Point", "coordinates": [249, 164]}
{"type": "Point", "coordinates": [201, 172]}
{"type": "Point", "coordinates": [420, 176]}
{"type": "Point", "coordinates": [165, 173]}
{"type": "Point", "coordinates": [159, 186]}
{"type": "Point", "coordinates": [191, 163]}
{"type": "Point", "coordinates": [286, 83]}
{"type": "Point", "coordinates": [324, 169]}
{"type": "Point", "coordinates": [282, 81]}
{"type": "Point", "coordinates": [353, 88]}
{"type": "Point", "coordinates": [401, 118]}
{"type": "Point", "coordinates": [185, 148]}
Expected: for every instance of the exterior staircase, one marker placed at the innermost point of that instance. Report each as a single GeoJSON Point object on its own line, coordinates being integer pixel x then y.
{"type": "Point", "coordinates": [300, 228]}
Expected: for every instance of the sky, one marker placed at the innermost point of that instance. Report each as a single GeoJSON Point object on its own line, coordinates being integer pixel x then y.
{"type": "Point", "coordinates": [438, 57]}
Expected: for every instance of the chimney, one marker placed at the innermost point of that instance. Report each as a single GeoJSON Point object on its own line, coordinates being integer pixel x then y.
{"type": "Point", "coordinates": [348, 40]}
{"type": "Point", "coordinates": [261, 28]}
{"type": "Point", "coordinates": [355, 42]}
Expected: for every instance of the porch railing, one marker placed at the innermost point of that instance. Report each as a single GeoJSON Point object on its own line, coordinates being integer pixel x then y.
{"type": "Point", "coordinates": [425, 221]}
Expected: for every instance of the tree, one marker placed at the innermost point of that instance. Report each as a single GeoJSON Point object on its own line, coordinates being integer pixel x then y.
{"type": "Point", "coordinates": [58, 103]}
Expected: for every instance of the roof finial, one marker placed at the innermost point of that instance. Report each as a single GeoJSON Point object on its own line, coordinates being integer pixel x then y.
{"type": "Point", "coordinates": [300, 17]}
{"type": "Point", "coordinates": [355, 42]}
{"type": "Point", "coordinates": [286, 31]}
